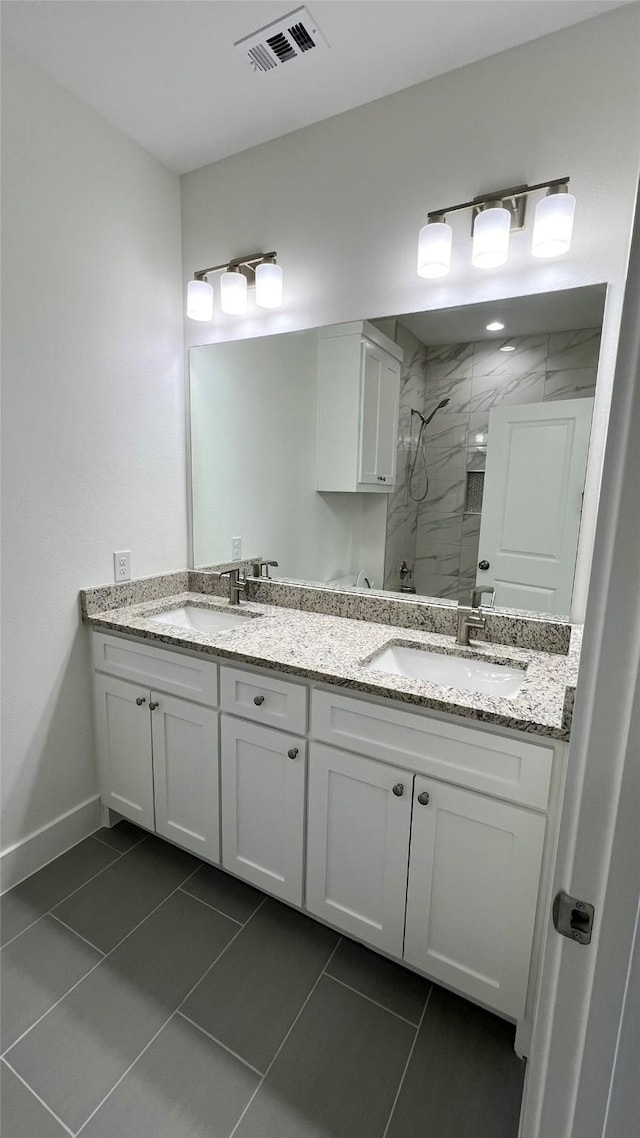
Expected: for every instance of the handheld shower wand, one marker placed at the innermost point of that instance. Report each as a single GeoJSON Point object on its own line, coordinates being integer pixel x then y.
{"type": "Point", "coordinates": [421, 450]}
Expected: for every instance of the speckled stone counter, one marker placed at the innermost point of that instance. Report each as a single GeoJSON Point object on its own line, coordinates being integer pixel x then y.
{"type": "Point", "coordinates": [336, 650]}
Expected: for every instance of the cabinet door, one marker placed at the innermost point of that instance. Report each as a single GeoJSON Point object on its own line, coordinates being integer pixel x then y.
{"type": "Point", "coordinates": [372, 366]}
{"type": "Point", "coordinates": [123, 739]}
{"type": "Point", "coordinates": [474, 875]}
{"type": "Point", "coordinates": [263, 783]}
{"type": "Point", "coordinates": [358, 845]}
{"type": "Point", "coordinates": [185, 772]}
{"type": "Point", "coordinates": [388, 406]}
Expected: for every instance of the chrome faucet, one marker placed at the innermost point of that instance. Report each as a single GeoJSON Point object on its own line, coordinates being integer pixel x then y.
{"type": "Point", "coordinates": [257, 567]}
{"type": "Point", "coordinates": [471, 617]}
{"type": "Point", "coordinates": [237, 584]}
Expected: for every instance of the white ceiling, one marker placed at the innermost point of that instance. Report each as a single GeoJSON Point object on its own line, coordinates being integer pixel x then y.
{"type": "Point", "coordinates": [561, 311]}
{"type": "Point", "coordinates": [166, 73]}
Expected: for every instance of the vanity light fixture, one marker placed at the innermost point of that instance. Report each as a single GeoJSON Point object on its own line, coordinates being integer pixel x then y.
{"type": "Point", "coordinates": [553, 223]}
{"type": "Point", "coordinates": [434, 247]}
{"type": "Point", "coordinates": [259, 270]}
{"type": "Point", "coordinates": [494, 217]}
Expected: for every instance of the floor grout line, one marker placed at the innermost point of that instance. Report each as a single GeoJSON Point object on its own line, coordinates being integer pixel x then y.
{"type": "Point", "coordinates": [114, 848]}
{"type": "Point", "coordinates": [96, 965]}
{"type": "Point", "coordinates": [286, 1037]}
{"type": "Point", "coordinates": [37, 1096]}
{"type": "Point", "coordinates": [75, 933]}
{"type": "Point", "coordinates": [220, 1043]}
{"type": "Point", "coordinates": [213, 908]}
{"type": "Point", "coordinates": [66, 897]}
{"type": "Point", "coordinates": [168, 1020]}
{"type": "Point", "coordinates": [406, 1066]}
{"type": "Point", "coordinates": [357, 992]}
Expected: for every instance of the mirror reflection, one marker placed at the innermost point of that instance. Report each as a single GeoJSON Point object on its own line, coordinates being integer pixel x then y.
{"type": "Point", "coordinates": [428, 453]}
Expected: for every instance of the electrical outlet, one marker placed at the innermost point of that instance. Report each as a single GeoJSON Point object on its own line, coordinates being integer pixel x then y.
{"type": "Point", "coordinates": [236, 548]}
{"type": "Point", "coordinates": [122, 565]}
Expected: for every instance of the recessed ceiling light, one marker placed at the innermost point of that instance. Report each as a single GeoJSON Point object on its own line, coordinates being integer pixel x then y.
{"type": "Point", "coordinates": [495, 326]}
{"type": "Point", "coordinates": [508, 348]}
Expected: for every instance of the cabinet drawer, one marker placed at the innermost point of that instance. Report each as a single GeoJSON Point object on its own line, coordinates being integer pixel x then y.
{"type": "Point", "coordinates": [263, 698]}
{"type": "Point", "coordinates": [172, 672]}
{"type": "Point", "coordinates": [507, 767]}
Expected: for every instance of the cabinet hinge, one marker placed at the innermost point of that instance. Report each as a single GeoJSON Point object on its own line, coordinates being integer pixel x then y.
{"type": "Point", "coordinates": [573, 918]}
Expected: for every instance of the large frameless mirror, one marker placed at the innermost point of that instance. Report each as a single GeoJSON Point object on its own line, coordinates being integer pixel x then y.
{"type": "Point", "coordinates": [427, 453]}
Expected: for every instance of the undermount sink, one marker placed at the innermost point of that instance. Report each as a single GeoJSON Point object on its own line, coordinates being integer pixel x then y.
{"type": "Point", "coordinates": [466, 674]}
{"type": "Point", "coordinates": [202, 620]}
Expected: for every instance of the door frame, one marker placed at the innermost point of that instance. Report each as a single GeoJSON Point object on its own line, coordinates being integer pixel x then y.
{"type": "Point", "coordinates": [578, 1041]}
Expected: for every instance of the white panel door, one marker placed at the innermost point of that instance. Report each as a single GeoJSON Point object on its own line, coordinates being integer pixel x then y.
{"type": "Point", "coordinates": [532, 503]}
{"type": "Point", "coordinates": [123, 738]}
{"type": "Point", "coordinates": [186, 774]}
{"type": "Point", "coordinates": [474, 875]}
{"type": "Point", "coordinates": [358, 845]}
{"type": "Point", "coordinates": [263, 784]}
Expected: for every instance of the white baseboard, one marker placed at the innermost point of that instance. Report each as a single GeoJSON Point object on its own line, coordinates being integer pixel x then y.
{"type": "Point", "coordinates": [25, 857]}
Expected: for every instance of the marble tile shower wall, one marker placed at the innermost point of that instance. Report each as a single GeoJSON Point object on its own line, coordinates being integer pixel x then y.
{"type": "Point", "coordinates": [402, 512]}
{"type": "Point", "coordinates": [475, 378]}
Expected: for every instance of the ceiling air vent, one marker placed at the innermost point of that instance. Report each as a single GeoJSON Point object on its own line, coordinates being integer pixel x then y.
{"type": "Point", "coordinates": [291, 37]}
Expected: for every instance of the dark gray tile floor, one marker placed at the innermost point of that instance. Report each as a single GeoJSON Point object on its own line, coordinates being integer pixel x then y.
{"type": "Point", "coordinates": [146, 995]}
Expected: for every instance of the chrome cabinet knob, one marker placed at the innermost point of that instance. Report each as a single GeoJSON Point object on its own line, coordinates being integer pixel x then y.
{"type": "Point", "coordinates": [398, 789]}
{"type": "Point", "coordinates": [153, 704]}
{"type": "Point", "coordinates": [293, 752]}
{"type": "Point", "coordinates": [484, 565]}
{"type": "Point", "coordinates": [258, 700]}
{"type": "Point", "coordinates": [140, 700]}
{"type": "Point", "coordinates": [424, 798]}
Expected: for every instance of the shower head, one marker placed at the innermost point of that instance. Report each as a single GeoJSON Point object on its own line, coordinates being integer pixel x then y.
{"type": "Point", "coordinates": [425, 420]}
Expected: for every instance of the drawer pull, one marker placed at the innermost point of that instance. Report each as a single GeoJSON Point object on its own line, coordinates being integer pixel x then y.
{"type": "Point", "coordinates": [258, 700]}
{"type": "Point", "coordinates": [398, 789]}
{"type": "Point", "coordinates": [140, 700]}
{"type": "Point", "coordinates": [153, 704]}
{"type": "Point", "coordinates": [423, 798]}
{"type": "Point", "coordinates": [293, 752]}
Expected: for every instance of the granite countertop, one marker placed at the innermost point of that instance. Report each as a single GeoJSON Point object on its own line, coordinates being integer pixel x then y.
{"type": "Point", "coordinates": [335, 650]}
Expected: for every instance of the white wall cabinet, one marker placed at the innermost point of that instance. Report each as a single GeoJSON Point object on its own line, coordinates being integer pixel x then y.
{"type": "Point", "coordinates": [358, 825]}
{"type": "Point", "coordinates": [358, 401]}
{"type": "Point", "coordinates": [263, 789]}
{"type": "Point", "coordinates": [474, 874]}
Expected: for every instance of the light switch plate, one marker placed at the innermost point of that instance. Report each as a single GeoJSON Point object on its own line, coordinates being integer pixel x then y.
{"type": "Point", "coordinates": [236, 548]}
{"type": "Point", "coordinates": [122, 565]}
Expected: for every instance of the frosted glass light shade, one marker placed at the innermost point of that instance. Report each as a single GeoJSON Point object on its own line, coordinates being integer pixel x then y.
{"type": "Point", "coordinates": [491, 231]}
{"type": "Point", "coordinates": [268, 286]}
{"type": "Point", "coordinates": [199, 300]}
{"type": "Point", "coordinates": [434, 249]}
{"type": "Point", "coordinates": [553, 225]}
{"type": "Point", "coordinates": [233, 293]}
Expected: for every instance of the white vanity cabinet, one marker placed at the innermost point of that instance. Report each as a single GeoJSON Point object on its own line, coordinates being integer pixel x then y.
{"type": "Point", "coordinates": [263, 778]}
{"type": "Point", "coordinates": [157, 751]}
{"type": "Point", "coordinates": [421, 836]}
{"type": "Point", "coordinates": [358, 401]}
{"type": "Point", "coordinates": [358, 826]}
{"type": "Point", "coordinates": [467, 864]}
{"type": "Point", "coordinates": [123, 739]}
{"type": "Point", "coordinates": [263, 792]}
{"type": "Point", "coordinates": [474, 875]}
